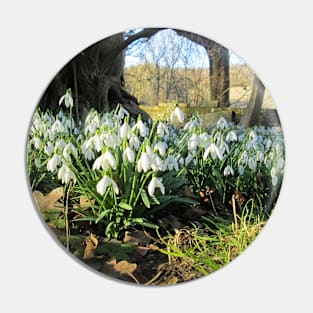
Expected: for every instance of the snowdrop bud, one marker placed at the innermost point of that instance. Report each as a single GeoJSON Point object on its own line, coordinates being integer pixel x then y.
{"type": "Point", "coordinates": [161, 147]}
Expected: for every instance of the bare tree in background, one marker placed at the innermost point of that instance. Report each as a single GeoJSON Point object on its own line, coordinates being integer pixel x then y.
{"type": "Point", "coordinates": [219, 67]}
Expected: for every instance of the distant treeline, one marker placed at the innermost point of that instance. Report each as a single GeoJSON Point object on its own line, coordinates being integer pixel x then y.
{"type": "Point", "coordinates": [152, 84]}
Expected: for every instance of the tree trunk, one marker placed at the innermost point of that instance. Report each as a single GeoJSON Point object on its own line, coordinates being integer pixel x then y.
{"type": "Point", "coordinates": [96, 78]}
{"type": "Point", "coordinates": [253, 109]}
{"type": "Point", "coordinates": [219, 67]}
{"type": "Point", "coordinates": [219, 75]}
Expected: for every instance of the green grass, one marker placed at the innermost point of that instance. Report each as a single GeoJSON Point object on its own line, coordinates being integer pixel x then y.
{"type": "Point", "coordinates": [207, 248]}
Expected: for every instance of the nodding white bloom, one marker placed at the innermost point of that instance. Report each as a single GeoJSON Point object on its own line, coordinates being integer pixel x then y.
{"type": "Point", "coordinates": [97, 141]}
{"type": "Point", "coordinates": [57, 127]}
{"type": "Point", "coordinates": [241, 169]}
{"type": "Point", "coordinates": [124, 130]}
{"type": "Point", "coordinates": [111, 140]}
{"type": "Point", "coordinates": [54, 162]}
{"type": "Point", "coordinates": [214, 151]}
{"type": "Point", "coordinates": [228, 171]}
{"type": "Point", "coordinates": [68, 150]}
{"type": "Point", "coordinates": [188, 159]}
{"type": "Point", "coordinates": [162, 129]}
{"type": "Point", "coordinates": [144, 162]}
{"type": "Point", "coordinates": [105, 161]}
{"type": "Point", "coordinates": [241, 137]}
{"type": "Point", "coordinates": [252, 163]}
{"type": "Point", "coordinates": [65, 174]}
{"type": "Point", "coordinates": [244, 157]}
{"type": "Point", "coordinates": [49, 148]}
{"type": "Point", "coordinates": [157, 163]}
{"type": "Point", "coordinates": [231, 136]}
{"type": "Point", "coordinates": [36, 142]}
{"type": "Point", "coordinates": [193, 142]}
{"type": "Point", "coordinates": [177, 113]}
{"type": "Point", "coordinates": [104, 183]}
{"type": "Point", "coordinates": [134, 141]}
{"type": "Point", "coordinates": [129, 155]}
{"type": "Point", "coordinates": [67, 98]}
{"type": "Point", "coordinates": [221, 123]}
{"type": "Point", "coordinates": [161, 147]}
{"type": "Point", "coordinates": [274, 180]}
{"type": "Point", "coordinates": [223, 147]}
{"type": "Point", "coordinates": [121, 113]}
{"type": "Point", "coordinates": [204, 138]}
{"type": "Point", "coordinates": [253, 136]}
{"type": "Point", "coordinates": [89, 154]}
{"type": "Point", "coordinates": [171, 163]}
{"type": "Point", "coordinates": [143, 130]}
{"type": "Point", "coordinates": [259, 156]}
{"type": "Point", "coordinates": [155, 183]}
{"type": "Point", "coordinates": [191, 125]}
{"type": "Point", "coordinates": [37, 163]}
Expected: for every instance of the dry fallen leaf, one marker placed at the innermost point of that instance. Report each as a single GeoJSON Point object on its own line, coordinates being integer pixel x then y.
{"type": "Point", "coordinates": [84, 203]}
{"type": "Point", "coordinates": [91, 244]}
{"type": "Point", "coordinates": [51, 200]}
{"type": "Point", "coordinates": [124, 267]}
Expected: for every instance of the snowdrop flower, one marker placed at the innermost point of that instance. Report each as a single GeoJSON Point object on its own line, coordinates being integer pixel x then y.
{"type": "Point", "coordinates": [143, 131]}
{"type": "Point", "coordinates": [214, 151]}
{"type": "Point", "coordinates": [68, 150]}
{"type": "Point", "coordinates": [49, 148]}
{"type": "Point", "coordinates": [54, 162]}
{"type": "Point", "coordinates": [171, 163]}
{"type": "Point", "coordinates": [36, 142]}
{"type": "Point", "coordinates": [223, 147]}
{"type": "Point", "coordinates": [124, 130]}
{"type": "Point", "coordinates": [244, 157]}
{"type": "Point", "coordinates": [155, 183]}
{"type": "Point", "coordinates": [191, 125]}
{"type": "Point", "coordinates": [157, 164]}
{"type": "Point", "coordinates": [259, 156]}
{"type": "Point", "coordinates": [129, 155]}
{"type": "Point", "coordinates": [89, 154]}
{"type": "Point", "coordinates": [105, 161]}
{"type": "Point", "coordinates": [177, 113]}
{"type": "Point", "coordinates": [193, 142]}
{"type": "Point", "coordinates": [104, 183]}
{"type": "Point", "coordinates": [241, 170]}
{"type": "Point", "coordinates": [228, 171]}
{"type": "Point", "coordinates": [162, 129]}
{"type": "Point", "coordinates": [134, 142]}
{"type": "Point", "coordinates": [37, 163]}
{"type": "Point", "coordinates": [111, 140]}
{"type": "Point", "coordinates": [252, 163]}
{"type": "Point", "coordinates": [231, 136]}
{"type": "Point", "coordinates": [65, 174]}
{"type": "Point", "coordinates": [161, 147]}
{"type": "Point", "coordinates": [144, 162]}
{"type": "Point", "coordinates": [67, 99]}
{"type": "Point", "coordinates": [204, 139]}
{"type": "Point", "coordinates": [57, 127]}
{"type": "Point", "coordinates": [97, 141]}
{"type": "Point", "coordinates": [221, 123]}
{"type": "Point", "coordinates": [121, 113]}
{"type": "Point", "coordinates": [188, 159]}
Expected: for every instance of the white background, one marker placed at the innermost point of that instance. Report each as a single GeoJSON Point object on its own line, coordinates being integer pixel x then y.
{"type": "Point", "coordinates": [274, 38]}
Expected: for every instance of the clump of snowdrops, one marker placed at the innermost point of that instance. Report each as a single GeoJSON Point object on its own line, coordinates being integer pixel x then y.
{"type": "Point", "coordinates": [128, 168]}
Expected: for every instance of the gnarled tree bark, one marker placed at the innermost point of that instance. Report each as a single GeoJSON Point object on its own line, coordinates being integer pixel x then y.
{"type": "Point", "coordinates": [96, 77]}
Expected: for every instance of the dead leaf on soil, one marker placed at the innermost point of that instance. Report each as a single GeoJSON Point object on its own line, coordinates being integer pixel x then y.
{"type": "Point", "coordinates": [124, 267]}
{"type": "Point", "coordinates": [84, 203]}
{"type": "Point", "coordinates": [91, 243]}
{"type": "Point", "coordinates": [50, 201]}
